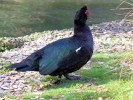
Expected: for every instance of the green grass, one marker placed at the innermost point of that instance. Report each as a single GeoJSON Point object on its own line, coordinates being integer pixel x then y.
{"type": "Point", "coordinates": [29, 95]}
{"type": "Point", "coordinates": [115, 38]}
{"type": "Point", "coordinates": [10, 96]}
{"type": "Point", "coordinates": [4, 69]}
{"type": "Point", "coordinates": [131, 39]}
{"type": "Point", "coordinates": [1, 94]}
{"type": "Point", "coordinates": [107, 83]}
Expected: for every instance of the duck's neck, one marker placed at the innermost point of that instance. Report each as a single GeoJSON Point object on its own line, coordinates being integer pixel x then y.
{"type": "Point", "coordinates": [81, 30]}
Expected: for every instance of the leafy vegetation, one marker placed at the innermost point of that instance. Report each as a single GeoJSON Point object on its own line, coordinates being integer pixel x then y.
{"type": "Point", "coordinates": [4, 45]}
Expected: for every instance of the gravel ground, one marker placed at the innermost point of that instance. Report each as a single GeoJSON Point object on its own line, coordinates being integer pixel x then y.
{"type": "Point", "coordinates": [108, 37]}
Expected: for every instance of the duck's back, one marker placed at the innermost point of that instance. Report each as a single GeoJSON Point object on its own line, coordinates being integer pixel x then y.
{"type": "Point", "coordinates": [55, 51]}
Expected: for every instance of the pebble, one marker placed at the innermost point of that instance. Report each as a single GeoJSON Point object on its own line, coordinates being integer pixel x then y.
{"type": "Point", "coordinates": [100, 98]}
{"type": "Point", "coordinates": [101, 63]}
{"type": "Point", "coordinates": [13, 72]}
{"type": "Point", "coordinates": [15, 86]}
{"type": "Point", "coordinates": [4, 88]}
{"type": "Point", "coordinates": [37, 80]}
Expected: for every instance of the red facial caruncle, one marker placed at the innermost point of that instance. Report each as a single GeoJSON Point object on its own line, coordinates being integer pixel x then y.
{"type": "Point", "coordinates": [87, 12]}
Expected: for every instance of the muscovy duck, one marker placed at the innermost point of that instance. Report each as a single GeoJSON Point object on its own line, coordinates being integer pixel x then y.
{"type": "Point", "coordinates": [62, 56]}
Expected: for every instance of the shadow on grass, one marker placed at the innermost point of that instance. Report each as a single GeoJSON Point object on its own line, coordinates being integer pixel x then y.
{"type": "Point", "coordinates": [99, 73]}
{"type": "Point", "coordinates": [99, 81]}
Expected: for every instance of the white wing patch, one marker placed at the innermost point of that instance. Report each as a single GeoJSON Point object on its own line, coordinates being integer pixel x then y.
{"type": "Point", "coordinates": [78, 49]}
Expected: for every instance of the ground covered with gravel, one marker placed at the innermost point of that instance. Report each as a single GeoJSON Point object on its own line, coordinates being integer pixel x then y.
{"type": "Point", "coordinates": [108, 37]}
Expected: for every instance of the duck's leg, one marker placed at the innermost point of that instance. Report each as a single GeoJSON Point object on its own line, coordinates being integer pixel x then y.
{"type": "Point", "coordinates": [72, 77]}
{"type": "Point", "coordinates": [58, 81]}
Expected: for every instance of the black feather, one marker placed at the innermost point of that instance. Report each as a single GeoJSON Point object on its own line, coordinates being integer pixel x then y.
{"type": "Point", "coordinates": [17, 65]}
{"type": "Point", "coordinates": [24, 69]}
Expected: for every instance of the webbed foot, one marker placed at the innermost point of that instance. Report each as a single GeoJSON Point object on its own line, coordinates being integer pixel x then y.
{"type": "Point", "coordinates": [72, 77]}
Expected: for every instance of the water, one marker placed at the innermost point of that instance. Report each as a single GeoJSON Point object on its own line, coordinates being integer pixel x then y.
{"type": "Point", "coordinates": [22, 17]}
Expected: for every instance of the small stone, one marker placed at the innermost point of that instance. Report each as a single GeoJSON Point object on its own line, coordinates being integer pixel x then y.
{"type": "Point", "coordinates": [37, 80]}
{"type": "Point", "coordinates": [1, 79]}
{"type": "Point", "coordinates": [86, 68]}
{"type": "Point", "coordinates": [62, 96]}
{"type": "Point", "coordinates": [18, 89]}
{"type": "Point", "coordinates": [2, 98]}
{"type": "Point", "coordinates": [6, 84]}
{"type": "Point", "coordinates": [13, 72]}
{"type": "Point", "coordinates": [37, 97]}
{"type": "Point", "coordinates": [100, 98]}
{"type": "Point", "coordinates": [7, 78]}
{"type": "Point", "coordinates": [1, 67]}
{"type": "Point", "coordinates": [42, 98]}
{"type": "Point", "coordinates": [3, 76]}
{"type": "Point", "coordinates": [5, 88]}
{"type": "Point", "coordinates": [15, 86]}
{"type": "Point", "coordinates": [101, 62]}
